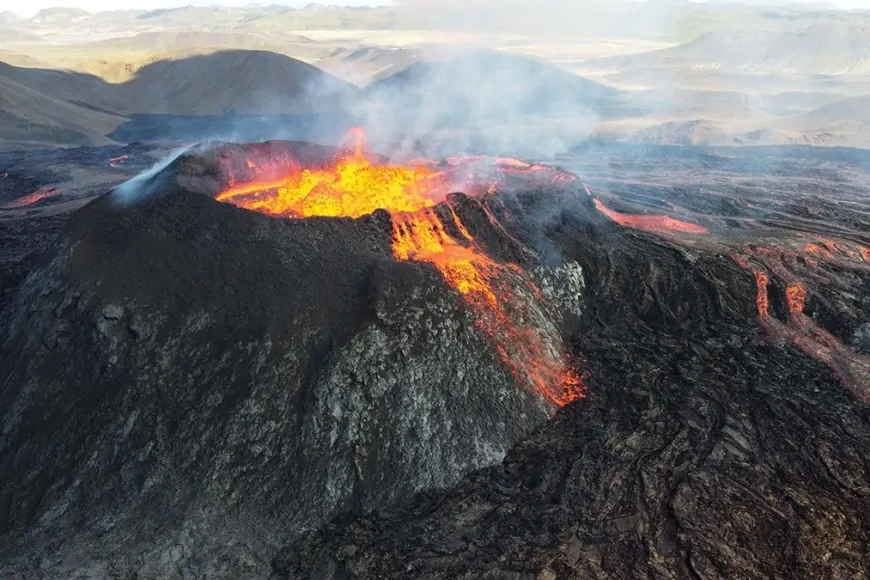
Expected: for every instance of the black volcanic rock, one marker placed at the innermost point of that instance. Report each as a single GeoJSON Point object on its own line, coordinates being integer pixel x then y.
{"type": "Point", "coordinates": [194, 390]}
{"type": "Point", "coordinates": [188, 384]}
{"type": "Point", "coordinates": [702, 451]}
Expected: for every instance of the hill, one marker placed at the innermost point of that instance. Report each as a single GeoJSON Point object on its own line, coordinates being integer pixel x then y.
{"type": "Point", "coordinates": [363, 65]}
{"type": "Point", "coordinates": [18, 59]}
{"type": "Point", "coordinates": [31, 118]}
{"type": "Point", "coordinates": [485, 85]}
{"type": "Point", "coordinates": [65, 86]}
{"type": "Point", "coordinates": [7, 17]}
{"type": "Point", "coordinates": [59, 16]}
{"type": "Point", "coordinates": [62, 107]}
{"type": "Point", "coordinates": [851, 112]}
{"type": "Point", "coordinates": [843, 122]}
{"type": "Point", "coordinates": [169, 41]}
{"type": "Point", "coordinates": [829, 48]}
{"type": "Point", "coordinates": [482, 101]}
{"type": "Point", "coordinates": [15, 36]}
{"type": "Point", "coordinates": [256, 82]}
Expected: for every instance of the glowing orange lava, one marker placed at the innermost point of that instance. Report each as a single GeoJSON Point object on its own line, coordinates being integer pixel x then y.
{"type": "Point", "coordinates": [851, 368]}
{"type": "Point", "coordinates": [32, 198]}
{"type": "Point", "coordinates": [796, 295]}
{"type": "Point", "coordinates": [499, 295]}
{"type": "Point", "coordinates": [651, 223]}
{"type": "Point", "coordinates": [761, 300]}
{"type": "Point", "coordinates": [831, 250]}
{"type": "Point", "coordinates": [353, 187]}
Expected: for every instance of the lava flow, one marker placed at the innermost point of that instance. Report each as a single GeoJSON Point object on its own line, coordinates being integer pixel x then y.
{"type": "Point", "coordinates": [497, 294]}
{"type": "Point", "coordinates": [32, 198]}
{"type": "Point", "coordinates": [648, 222]}
{"type": "Point", "coordinates": [831, 251]}
{"type": "Point", "coordinates": [851, 368]}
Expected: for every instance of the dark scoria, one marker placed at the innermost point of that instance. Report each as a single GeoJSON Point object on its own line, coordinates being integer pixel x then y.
{"type": "Point", "coordinates": [187, 384]}
{"type": "Point", "coordinates": [192, 386]}
{"type": "Point", "coordinates": [702, 451]}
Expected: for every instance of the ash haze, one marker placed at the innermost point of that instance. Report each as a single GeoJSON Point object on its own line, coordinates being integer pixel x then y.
{"type": "Point", "coordinates": [526, 77]}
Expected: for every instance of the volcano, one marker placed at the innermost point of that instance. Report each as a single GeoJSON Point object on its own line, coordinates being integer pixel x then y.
{"type": "Point", "coordinates": [354, 355]}
{"type": "Point", "coordinates": [294, 361]}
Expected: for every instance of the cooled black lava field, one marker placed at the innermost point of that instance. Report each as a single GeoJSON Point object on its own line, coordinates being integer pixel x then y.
{"type": "Point", "coordinates": [625, 363]}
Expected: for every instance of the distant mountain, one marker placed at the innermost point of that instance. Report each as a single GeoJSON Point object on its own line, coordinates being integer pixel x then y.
{"type": "Point", "coordinates": [7, 17]}
{"type": "Point", "coordinates": [487, 85]}
{"type": "Point", "coordinates": [59, 16]}
{"type": "Point", "coordinates": [240, 81]}
{"type": "Point", "coordinates": [364, 65]}
{"type": "Point", "coordinates": [851, 115]}
{"type": "Point", "coordinates": [41, 107]}
{"type": "Point", "coordinates": [673, 21]}
{"type": "Point", "coordinates": [830, 48]}
{"type": "Point", "coordinates": [170, 41]}
{"type": "Point", "coordinates": [14, 36]}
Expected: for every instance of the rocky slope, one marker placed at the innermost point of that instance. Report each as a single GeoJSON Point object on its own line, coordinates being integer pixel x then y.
{"type": "Point", "coordinates": [191, 389]}
{"type": "Point", "coordinates": [187, 384]}
{"type": "Point", "coordinates": [702, 451]}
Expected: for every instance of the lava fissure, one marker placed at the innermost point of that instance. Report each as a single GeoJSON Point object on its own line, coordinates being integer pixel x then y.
{"type": "Point", "coordinates": [507, 305]}
{"type": "Point", "coordinates": [850, 368]}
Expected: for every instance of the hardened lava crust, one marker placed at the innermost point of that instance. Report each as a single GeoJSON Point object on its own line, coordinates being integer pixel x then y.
{"type": "Point", "coordinates": [203, 379]}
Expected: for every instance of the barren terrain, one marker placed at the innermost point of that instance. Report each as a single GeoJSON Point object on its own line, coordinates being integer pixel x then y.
{"type": "Point", "coordinates": [710, 90]}
{"type": "Point", "coordinates": [435, 290]}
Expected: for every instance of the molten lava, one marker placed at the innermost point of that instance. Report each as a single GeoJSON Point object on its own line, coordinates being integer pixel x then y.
{"type": "Point", "coordinates": [497, 294]}
{"type": "Point", "coordinates": [32, 198]}
{"type": "Point", "coordinates": [353, 187]}
{"type": "Point", "coordinates": [761, 298]}
{"type": "Point", "coordinates": [796, 295]}
{"type": "Point", "coordinates": [831, 250]}
{"type": "Point", "coordinates": [651, 223]}
{"type": "Point", "coordinates": [851, 368]}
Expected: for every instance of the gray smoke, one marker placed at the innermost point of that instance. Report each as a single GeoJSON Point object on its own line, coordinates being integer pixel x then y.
{"type": "Point", "coordinates": [144, 184]}
{"type": "Point", "coordinates": [472, 100]}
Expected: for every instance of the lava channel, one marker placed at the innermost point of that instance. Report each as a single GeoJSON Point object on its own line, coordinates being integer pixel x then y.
{"type": "Point", "coordinates": [648, 222]}
{"type": "Point", "coordinates": [32, 198]}
{"type": "Point", "coordinates": [497, 294]}
{"type": "Point", "coordinates": [850, 368]}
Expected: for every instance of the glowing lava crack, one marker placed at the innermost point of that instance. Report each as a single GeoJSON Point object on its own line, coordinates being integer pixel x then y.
{"type": "Point", "coordinates": [497, 294]}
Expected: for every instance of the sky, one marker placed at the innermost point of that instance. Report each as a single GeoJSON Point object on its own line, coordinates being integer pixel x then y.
{"type": "Point", "coordinates": [30, 7]}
